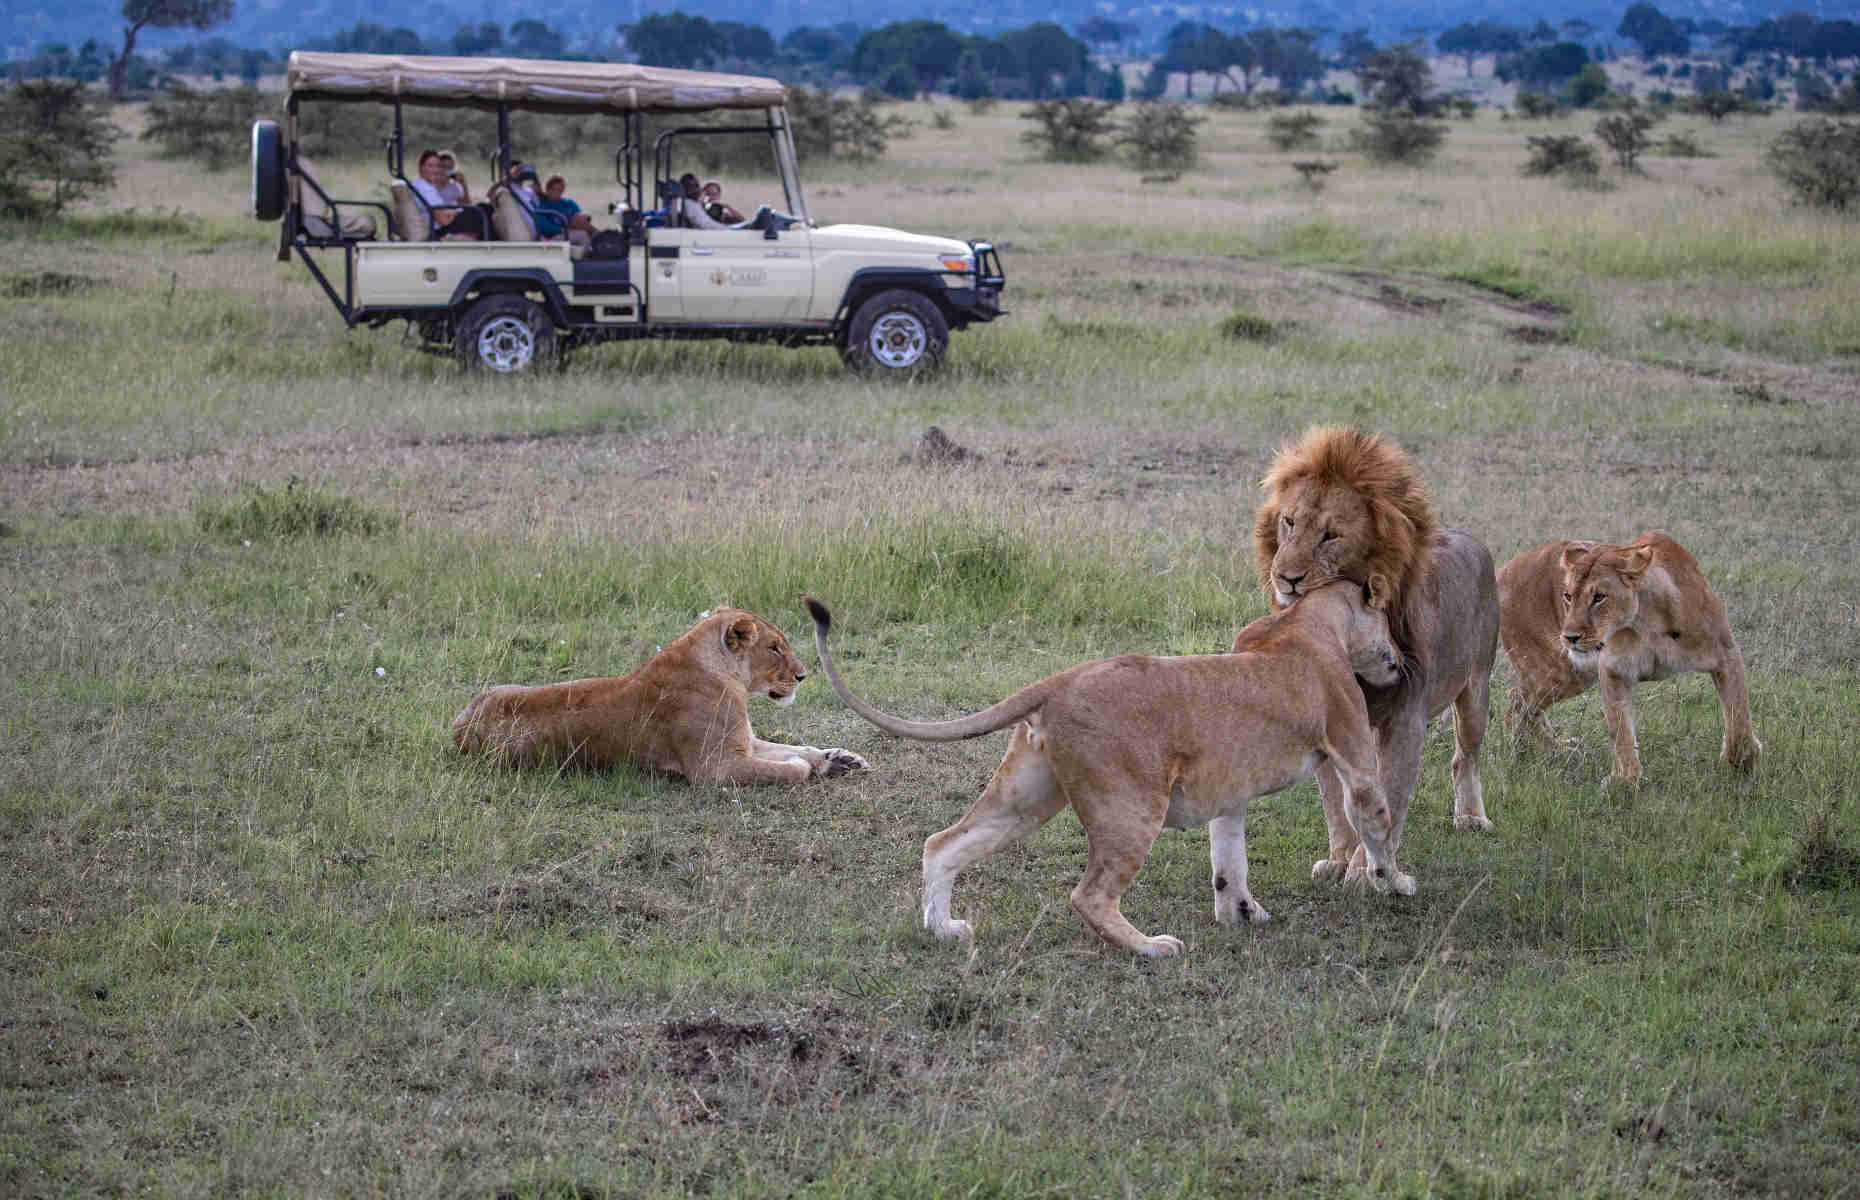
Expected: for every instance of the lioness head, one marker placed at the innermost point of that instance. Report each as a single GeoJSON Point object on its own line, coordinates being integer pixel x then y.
{"type": "Point", "coordinates": [762, 650]}
{"type": "Point", "coordinates": [1601, 594]}
{"type": "Point", "coordinates": [1373, 656]}
{"type": "Point", "coordinates": [1343, 504]}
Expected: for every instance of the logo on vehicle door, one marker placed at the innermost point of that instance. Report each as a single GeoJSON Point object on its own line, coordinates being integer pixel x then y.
{"type": "Point", "coordinates": [747, 277]}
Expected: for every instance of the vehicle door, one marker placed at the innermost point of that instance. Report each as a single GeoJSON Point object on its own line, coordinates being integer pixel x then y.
{"type": "Point", "coordinates": [665, 278]}
{"type": "Point", "coordinates": [746, 276]}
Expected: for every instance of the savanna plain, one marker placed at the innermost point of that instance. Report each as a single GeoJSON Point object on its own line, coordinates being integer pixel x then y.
{"type": "Point", "coordinates": [264, 932]}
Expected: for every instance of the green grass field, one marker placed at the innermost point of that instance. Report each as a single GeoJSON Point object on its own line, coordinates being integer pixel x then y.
{"type": "Point", "coordinates": [261, 931]}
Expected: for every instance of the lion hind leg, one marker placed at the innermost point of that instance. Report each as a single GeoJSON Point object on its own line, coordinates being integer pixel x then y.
{"type": "Point", "coordinates": [1118, 849]}
{"type": "Point", "coordinates": [1344, 844]}
{"type": "Point", "coordinates": [1022, 796]}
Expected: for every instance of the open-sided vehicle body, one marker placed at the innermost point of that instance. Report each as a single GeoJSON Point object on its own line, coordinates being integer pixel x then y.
{"type": "Point", "coordinates": [513, 300]}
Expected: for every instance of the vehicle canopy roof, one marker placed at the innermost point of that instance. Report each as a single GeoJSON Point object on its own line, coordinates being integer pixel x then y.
{"type": "Point", "coordinates": [523, 83]}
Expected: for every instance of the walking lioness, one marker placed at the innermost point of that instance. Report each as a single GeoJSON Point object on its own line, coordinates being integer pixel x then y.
{"type": "Point", "coordinates": [1574, 613]}
{"type": "Point", "coordinates": [1138, 744]}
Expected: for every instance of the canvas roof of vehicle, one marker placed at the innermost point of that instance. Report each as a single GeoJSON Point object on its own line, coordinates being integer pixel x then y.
{"type": "Point", "coordinates": [524, 83]}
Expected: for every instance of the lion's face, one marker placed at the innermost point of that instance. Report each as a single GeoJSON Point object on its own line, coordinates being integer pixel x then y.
{"type": "Point", "coordinates": [763, 650]}
{"type": "Point", "coordinates": [1601, 596]}
{"type": "Point", "coordinates": [1324, 532]}
{"type": "Point", "coordinates": [1373, 656]}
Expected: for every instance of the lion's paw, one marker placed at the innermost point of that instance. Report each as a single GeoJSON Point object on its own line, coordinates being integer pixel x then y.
{"type": "Point", "coordinates": [1161, 946]}
{"type": "Point", "coordinates": [1744, 756]}
{"type": "Point", "coordinates": [842, 762]}
{"type": "Point", "coordinates": [1329, 868]}
{"type": "Point", "coordinates": [1390, 880]}
{"type": "Point", "coordinates": [952, 930]}
{"type": "Point", "coordinates": [1475, 821]}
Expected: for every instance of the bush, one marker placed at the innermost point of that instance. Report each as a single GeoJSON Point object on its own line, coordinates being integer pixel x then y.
{"type": "Point", "coordinates": [295, 512]}
{"type": "Point", "coordinates": [1819, 161]}
{"type": "Point", "coordinates": [1288, 131]}
{"type": "Point", "coordinates": [1235, 99]}
{"type": "Point", "coordinates": [1535, 106]}
{"type": "Point", "coordinates": [54, 147]}
{"type": "Point", "coordinates": [1625, 133]}
{"type": "Point", "coordinates": [1160, 135]}
{"type": "Point", "coordinates": [1071, 130]}
{"type": "Point", "coordinates": [1314, 172]}
{"type": "Point", "coordinates": [212, 127]}
{"type": "Point", "coordinates": [1561, 154]}
{"type": "Point", "coordinates": [1684, 145]}
{"type": "Point", "coordinates": [1392, 136]}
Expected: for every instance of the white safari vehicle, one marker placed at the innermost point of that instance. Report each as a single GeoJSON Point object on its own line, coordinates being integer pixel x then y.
{"type": "Point", "coordinates": [514, 301]}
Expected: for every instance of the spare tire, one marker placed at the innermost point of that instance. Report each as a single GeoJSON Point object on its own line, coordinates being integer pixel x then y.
{"type": "Point", "coordinates": [267, 171]}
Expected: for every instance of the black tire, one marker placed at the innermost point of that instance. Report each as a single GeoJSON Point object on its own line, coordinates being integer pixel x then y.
{"type": "Point", "coordinates": [899, 334]}
{"type": "Point", "coordinates": [506, 335]}
{"type": "Point", "coordinates": [267, 171]}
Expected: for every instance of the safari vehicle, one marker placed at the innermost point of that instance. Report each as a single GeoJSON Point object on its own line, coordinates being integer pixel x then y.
{"type": "Point", "coordinates": [514, 302]}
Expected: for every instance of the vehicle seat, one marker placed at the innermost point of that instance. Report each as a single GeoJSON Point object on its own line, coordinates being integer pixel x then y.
{"type": "Point", "coordinates": [319, 214]}
{"type": "Point", "coordinates": [672, 201]}
{"type": "Point", "coordinates": [411, 222]}
{"type": "Point", "coordinates": [510, 216]}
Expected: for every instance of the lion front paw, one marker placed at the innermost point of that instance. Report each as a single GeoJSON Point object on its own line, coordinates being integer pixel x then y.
{"type": "Point", "coordinates": [1475, 821]}
{"type": "Point", "coordinates": [841, 762]}
{"type": "Point", "coordinates": [1744, 755]}
{"type": "Point", "coordinates": [1389, 880]}
{"type": "Point", "coordinates": [1329, 868]}
{"type": "Point", "coordinates": [949, 929]}
{"type": "Point", "coordinates": [1160, 946]}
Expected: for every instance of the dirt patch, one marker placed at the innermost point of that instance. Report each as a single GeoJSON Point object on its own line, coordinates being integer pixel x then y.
{"type": "Point", "coordinates": [823, 1056]}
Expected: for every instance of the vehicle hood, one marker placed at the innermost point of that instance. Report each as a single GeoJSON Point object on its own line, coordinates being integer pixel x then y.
{"type": "Point", "coordinates": [879, 238]}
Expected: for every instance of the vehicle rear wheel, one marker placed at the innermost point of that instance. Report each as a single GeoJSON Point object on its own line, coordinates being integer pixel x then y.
{"type": "Point", "coordinates": [267, 171]}
{"type": "Point", "coordinates": [506, 334]}
{"type": "Point", "coordinates": [899, 334]}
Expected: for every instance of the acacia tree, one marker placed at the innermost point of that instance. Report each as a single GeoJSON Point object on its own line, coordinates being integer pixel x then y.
{"type": "Point", "coordinates": [54, 147]}
{"type": "Point", "coordinates": [138, 15]}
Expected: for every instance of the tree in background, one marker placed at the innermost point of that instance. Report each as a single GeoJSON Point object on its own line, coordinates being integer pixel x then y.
{"type": "Point", "coordinates": [1625, 133]}
{"type": "Point", "coordinates": [1654, 32]}
{"type": "Point", "coordinates": [1354, 49]}
{"type": "Point", "coordinates": [1398, 79]}
{"type": "Point", "coordinates": [1544, 68]}
{"type": "Point", "coordinates": [673, 39]}
{"type": "Point", "coordinates": [1101, 31]}
{"type": "Point", "coordinates": [1485, 37]}
{"type": "Point", "coordinates": [210, 126]}
{"type": "Point", "coordinates": [478, 39]}
{"type": "Point", "coordinates": [54, 147]}
{"type": "Point", "coordinates": [930, 48]}
{"type": "Point", "coordinates": [161, 14]}
{"type": "Point", "coordinates": [1589, 85]}
{"type": "Point", "coordinates": [1043, 54]}
{"type": "Point", "coordinates": [534, 39]}
{"type": "Point", "coordinates": [1160, 135]}
{"type": "Point", "coordinates": [1819, 160]}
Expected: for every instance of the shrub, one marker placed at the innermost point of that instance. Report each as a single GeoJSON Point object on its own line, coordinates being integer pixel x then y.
{"type": "Point", "coordinates": [1391, 136]}
{"type": "Point", "coordinates": [54, 147]}
{"type": "Point", "coordinates": [1234, 100]}
{"type": "Point", "coordinates": [211, 127]}
{"type": "Point", "coordinates": [1313, 172]}
{"type": "Point", "coordinates": [1535, 105]}
{"type": "Point", "coordinates": [1071, 130]}
{"type": "Point", "coordinates": [1589, 85]}
{"type": "Point", "coordinates": [1819, 161]}
{"type": "Point", "coordinates": [1250, 327]}
{"type": "Point", "coordinates": [1160, 134]}
{"type": "Point", "coordinates": [1625, 133]}
{"type": "Point", "coordinates": [1288, 131]}
{"type": "Point", "coordinates": [1684, 145]}
{"type": "Point", "coordinates": [1561, 154]}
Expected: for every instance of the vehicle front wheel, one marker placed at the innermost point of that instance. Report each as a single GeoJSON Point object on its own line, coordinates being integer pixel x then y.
{"type": "Point", "coordinates": [898, 334]}
{"type": "Point", "coordinates": [507, 334]}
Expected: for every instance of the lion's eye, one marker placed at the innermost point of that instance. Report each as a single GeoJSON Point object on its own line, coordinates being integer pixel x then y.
{"type": "Point", "coordinates": [1566, 597]}
{"type": "Point", "coordinates": [1286, 521]}
{"type": "Point", "coordinates": [1595, 602]}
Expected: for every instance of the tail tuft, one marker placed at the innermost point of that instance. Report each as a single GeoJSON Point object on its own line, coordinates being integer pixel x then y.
{"type": "Point", "coordinates": [823, 620]}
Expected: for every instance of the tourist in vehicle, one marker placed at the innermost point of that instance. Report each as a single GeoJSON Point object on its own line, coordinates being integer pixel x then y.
{"type": "Point", "coordinates": [691, 206]}
{"type": "Point", "coordinates": [712, 199]}
{"type": "Point", "coordinates": [557, 216]}
{"type": "Point", "coordinates": [455, 188]}
{"type": "Point", "coordinates": [449, 220]}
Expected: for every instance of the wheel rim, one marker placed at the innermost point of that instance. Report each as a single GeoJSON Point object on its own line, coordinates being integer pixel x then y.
{"type": "Point", "coordinates": [506, 344]}
{"type": "Point", "coordinates": [898, 339]}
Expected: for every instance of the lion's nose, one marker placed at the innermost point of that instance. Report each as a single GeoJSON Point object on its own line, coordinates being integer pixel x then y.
{"type": "Point", "coordinates": [799, 675]}
{"type": "Point", "coordinates": [1572, 638]}
{"type": "Point", "coordinates": [1291, 581]}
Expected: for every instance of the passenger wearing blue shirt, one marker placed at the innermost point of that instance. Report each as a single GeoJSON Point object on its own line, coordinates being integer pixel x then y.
{"type": "Point", "coordinates": [558, 216]}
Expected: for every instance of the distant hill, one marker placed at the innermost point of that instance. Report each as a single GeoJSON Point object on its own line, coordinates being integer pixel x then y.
{"type": "Point", "coordinates": [282, 25]}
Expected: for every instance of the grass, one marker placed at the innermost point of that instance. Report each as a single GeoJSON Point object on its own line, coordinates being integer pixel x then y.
{"type": "Point", "coordinates": [263, 932]}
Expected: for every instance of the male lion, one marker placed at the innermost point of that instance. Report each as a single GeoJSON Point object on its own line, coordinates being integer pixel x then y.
{"type": "Point", "coordinates": [1138, 744]}
{"type": "Point", "coordinates": [1345, 504]}
{"type": "Point", "coordinates": [1574, 612]}
{"type": "Point", "coordinates": [686, 711]}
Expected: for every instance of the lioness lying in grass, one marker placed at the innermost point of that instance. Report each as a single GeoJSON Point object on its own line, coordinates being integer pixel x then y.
{"type": "Point", "coordinates": [1140, 744]}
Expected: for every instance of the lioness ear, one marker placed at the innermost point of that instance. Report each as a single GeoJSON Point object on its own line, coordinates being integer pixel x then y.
{"type": "Point", "coordinates": [1574, 552]}
{"type": "Point", "coordinates": [1378, 591]}
{"type": "Point", "coordinates": [739, 635]}
{"type": "Point", "coordinates": [1634, 563]}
